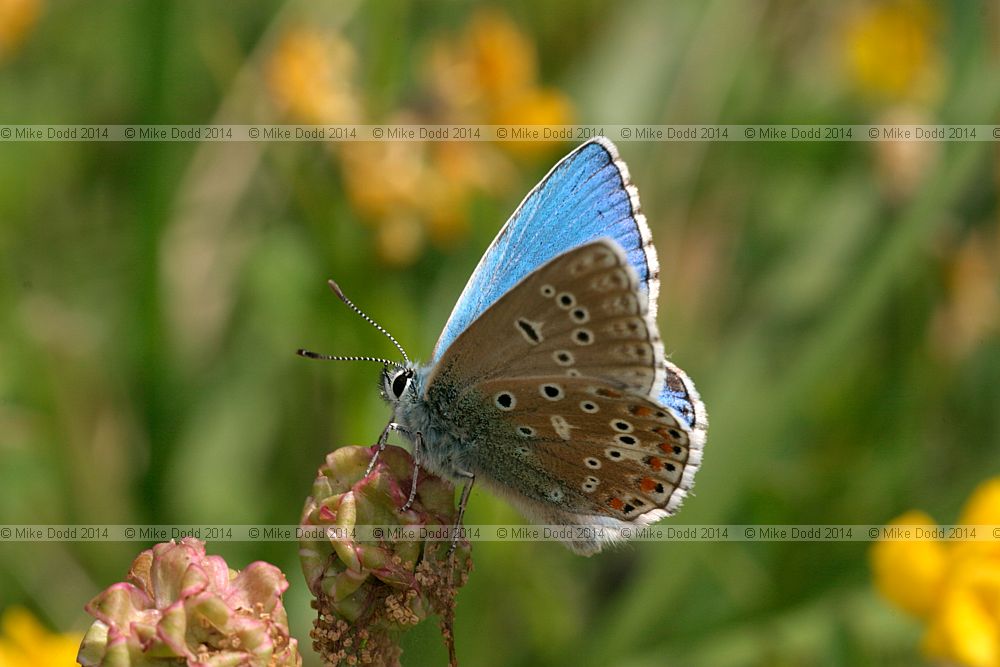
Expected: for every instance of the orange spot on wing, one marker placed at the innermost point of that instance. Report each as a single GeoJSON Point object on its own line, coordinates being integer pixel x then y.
{"type": "Point", "coordinates": [655, 463]}
{"type": "Point", "coordinates": [666, 447]}
{"type": "Point", "coordinates": [608, 393]}
{"type": "Point", "coordinates": [647, 484]}
{"type": "Point", "coordinates": [641, 411]}
{"type": "Point", "coordinates": [616, 503]}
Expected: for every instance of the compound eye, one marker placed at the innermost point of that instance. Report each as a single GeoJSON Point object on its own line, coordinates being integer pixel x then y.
{"type": "Point", "coordinates": [399, 383]}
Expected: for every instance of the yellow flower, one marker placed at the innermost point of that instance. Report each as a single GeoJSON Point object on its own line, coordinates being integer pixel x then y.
{"type": "Point", "coordinates": [309, 74]}
{"type": "Point", "coordinates": [538, 106]}
{"type": "Point", "coordinates": [24, 642]}
{"type": "Point", "coordinates": [383, 177]}
{"type": "Point", "coordinates": [910, 573]}
{"type": "Point", "coordinates": [953, 586]}
{"type": "Point", "coordinates": [503, 58]}
{"type": "Point", "coordinates": [891, 51]}
{"type": "Point", "coordinates": [415, 192]}
{"type": "Point", "coordinates": [412, 192]}
{"type": "Point", "coordinates": [967, 629]}
{"type": "Point", "coordinates": [983, 507]}
{"type": "Point", "coordinates": [490, 76]}
{"type": "Point", "coordinates": [16, 19]}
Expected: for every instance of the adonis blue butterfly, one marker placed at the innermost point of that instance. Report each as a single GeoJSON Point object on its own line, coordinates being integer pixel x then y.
{"type": "Point", "coordinates": [549, 383]}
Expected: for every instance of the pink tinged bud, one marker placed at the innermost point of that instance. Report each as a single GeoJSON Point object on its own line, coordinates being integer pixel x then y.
{"type": "Point", "coordinates": [119, 605]}
{"type": "Point", "coordinates": [182, 604]}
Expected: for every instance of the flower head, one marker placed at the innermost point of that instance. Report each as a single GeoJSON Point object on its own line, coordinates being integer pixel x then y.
{"type": "Point", "coordinates": [369, 591]}
{"type": "Point", "coordinates": [954, 586]}
{"type": "Point", "coordinates": [24, 642]}
{"type": "Point", "coordinates": [490, 75]}
{"type": "Point", "coordinates": [891, 50]}
{"type": "Point", "coordinates": [16, 19]}
{"type": "Point", "coordinates": [417, 192]}
{"type": "Point", "coordinates": [179, 603]}
{"type": "Point", "coordinates": [310, 76]}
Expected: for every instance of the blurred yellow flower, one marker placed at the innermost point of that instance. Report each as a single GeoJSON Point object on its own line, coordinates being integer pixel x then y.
{"type": "Point", "coordinates": [16, 19]}
{"type": "Point", "coordinates": [309, 74]}
{"type": "Point", "coordinates": [417, 191]}
{"type": "Point", "coordinates": [910, 573]}
{"type": "Point", "coordinates": [490, 75]}
{"type": "Point", "coordinates": [503, 58]}
{"type": "Point", "coordinates": [953, 586]}
{"type": "Point", "coordinates": [383, 177]}
{"type": "Point", "coordinates": [891, 50]}
{"type": "Point", "coordinates": [24, 642]}
{"type": "Point", "coordinates": [413, 192]}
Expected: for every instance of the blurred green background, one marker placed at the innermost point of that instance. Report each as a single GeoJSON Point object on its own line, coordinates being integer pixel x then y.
{"type": "Point", "coordinates": [837, 304]}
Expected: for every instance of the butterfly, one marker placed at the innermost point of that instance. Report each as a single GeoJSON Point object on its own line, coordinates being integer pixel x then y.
{"type": "Point", "coordinates": [549, 384]}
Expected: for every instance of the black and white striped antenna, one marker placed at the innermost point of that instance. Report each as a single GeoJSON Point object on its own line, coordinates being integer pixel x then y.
{"type": "Point", "coordinates": [330, 357]}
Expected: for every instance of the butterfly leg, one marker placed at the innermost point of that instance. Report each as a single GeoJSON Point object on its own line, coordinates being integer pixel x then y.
{"type": "Point", "coordinates": [470, 479]}
{"type": "Point", "coordinates": [418, 442]}
{"type": "Point", "coordinates": [383, 440]}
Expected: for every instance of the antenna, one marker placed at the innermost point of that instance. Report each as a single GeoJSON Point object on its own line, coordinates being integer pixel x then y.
{"type": "Point", "coordinates": [329, 357]}
{"type": "Point", "coordinates": [340, 295]}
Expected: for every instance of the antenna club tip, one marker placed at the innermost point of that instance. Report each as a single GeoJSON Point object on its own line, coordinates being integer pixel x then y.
{"type": "Point", "coordinates": [336, 290]}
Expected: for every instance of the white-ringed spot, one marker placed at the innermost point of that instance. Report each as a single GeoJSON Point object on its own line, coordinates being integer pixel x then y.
{"type": "Point", "coordinates": [552, 392]}
{"type": "Point", "coordinates": [563, 357]}
{"type": "Point", "coordinates": [526, 431]}
{"type": "Point", "coordinates": [592, 463]}
{"type": "Point", "coordinates": [561, 426]}
{"type": "Point", "coordinates": [566, 300]}
{"type": "Point", "coordinates": [589, 407]}
{"type": "Point", "coordinates": [573, 373]}
{"type": "Point", "coordinates": [627, 440]}
{"type": "Point", "coordinates": [583, 336]}
{"type": "Point", "coordinates": [522, 450]}
{"type": "Point", "coordinates": [588, 487]}
{"type": "Point", "coordinates": [613, 454]}
{"type": "Point", "coordinates": [579, 315]}
{"type": "Point", "coordinates": [555, 494]}
{"type": "Point", "coordinates": [505, 401]}
{"type": "Point", "coordinates": [532, 331]}
{"type": "Point", "coordinates": [621, 425]}
{"type": "Point", "coordinates": [593, 480]}
{"type": "Point", "coordinates": [548, 291]}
